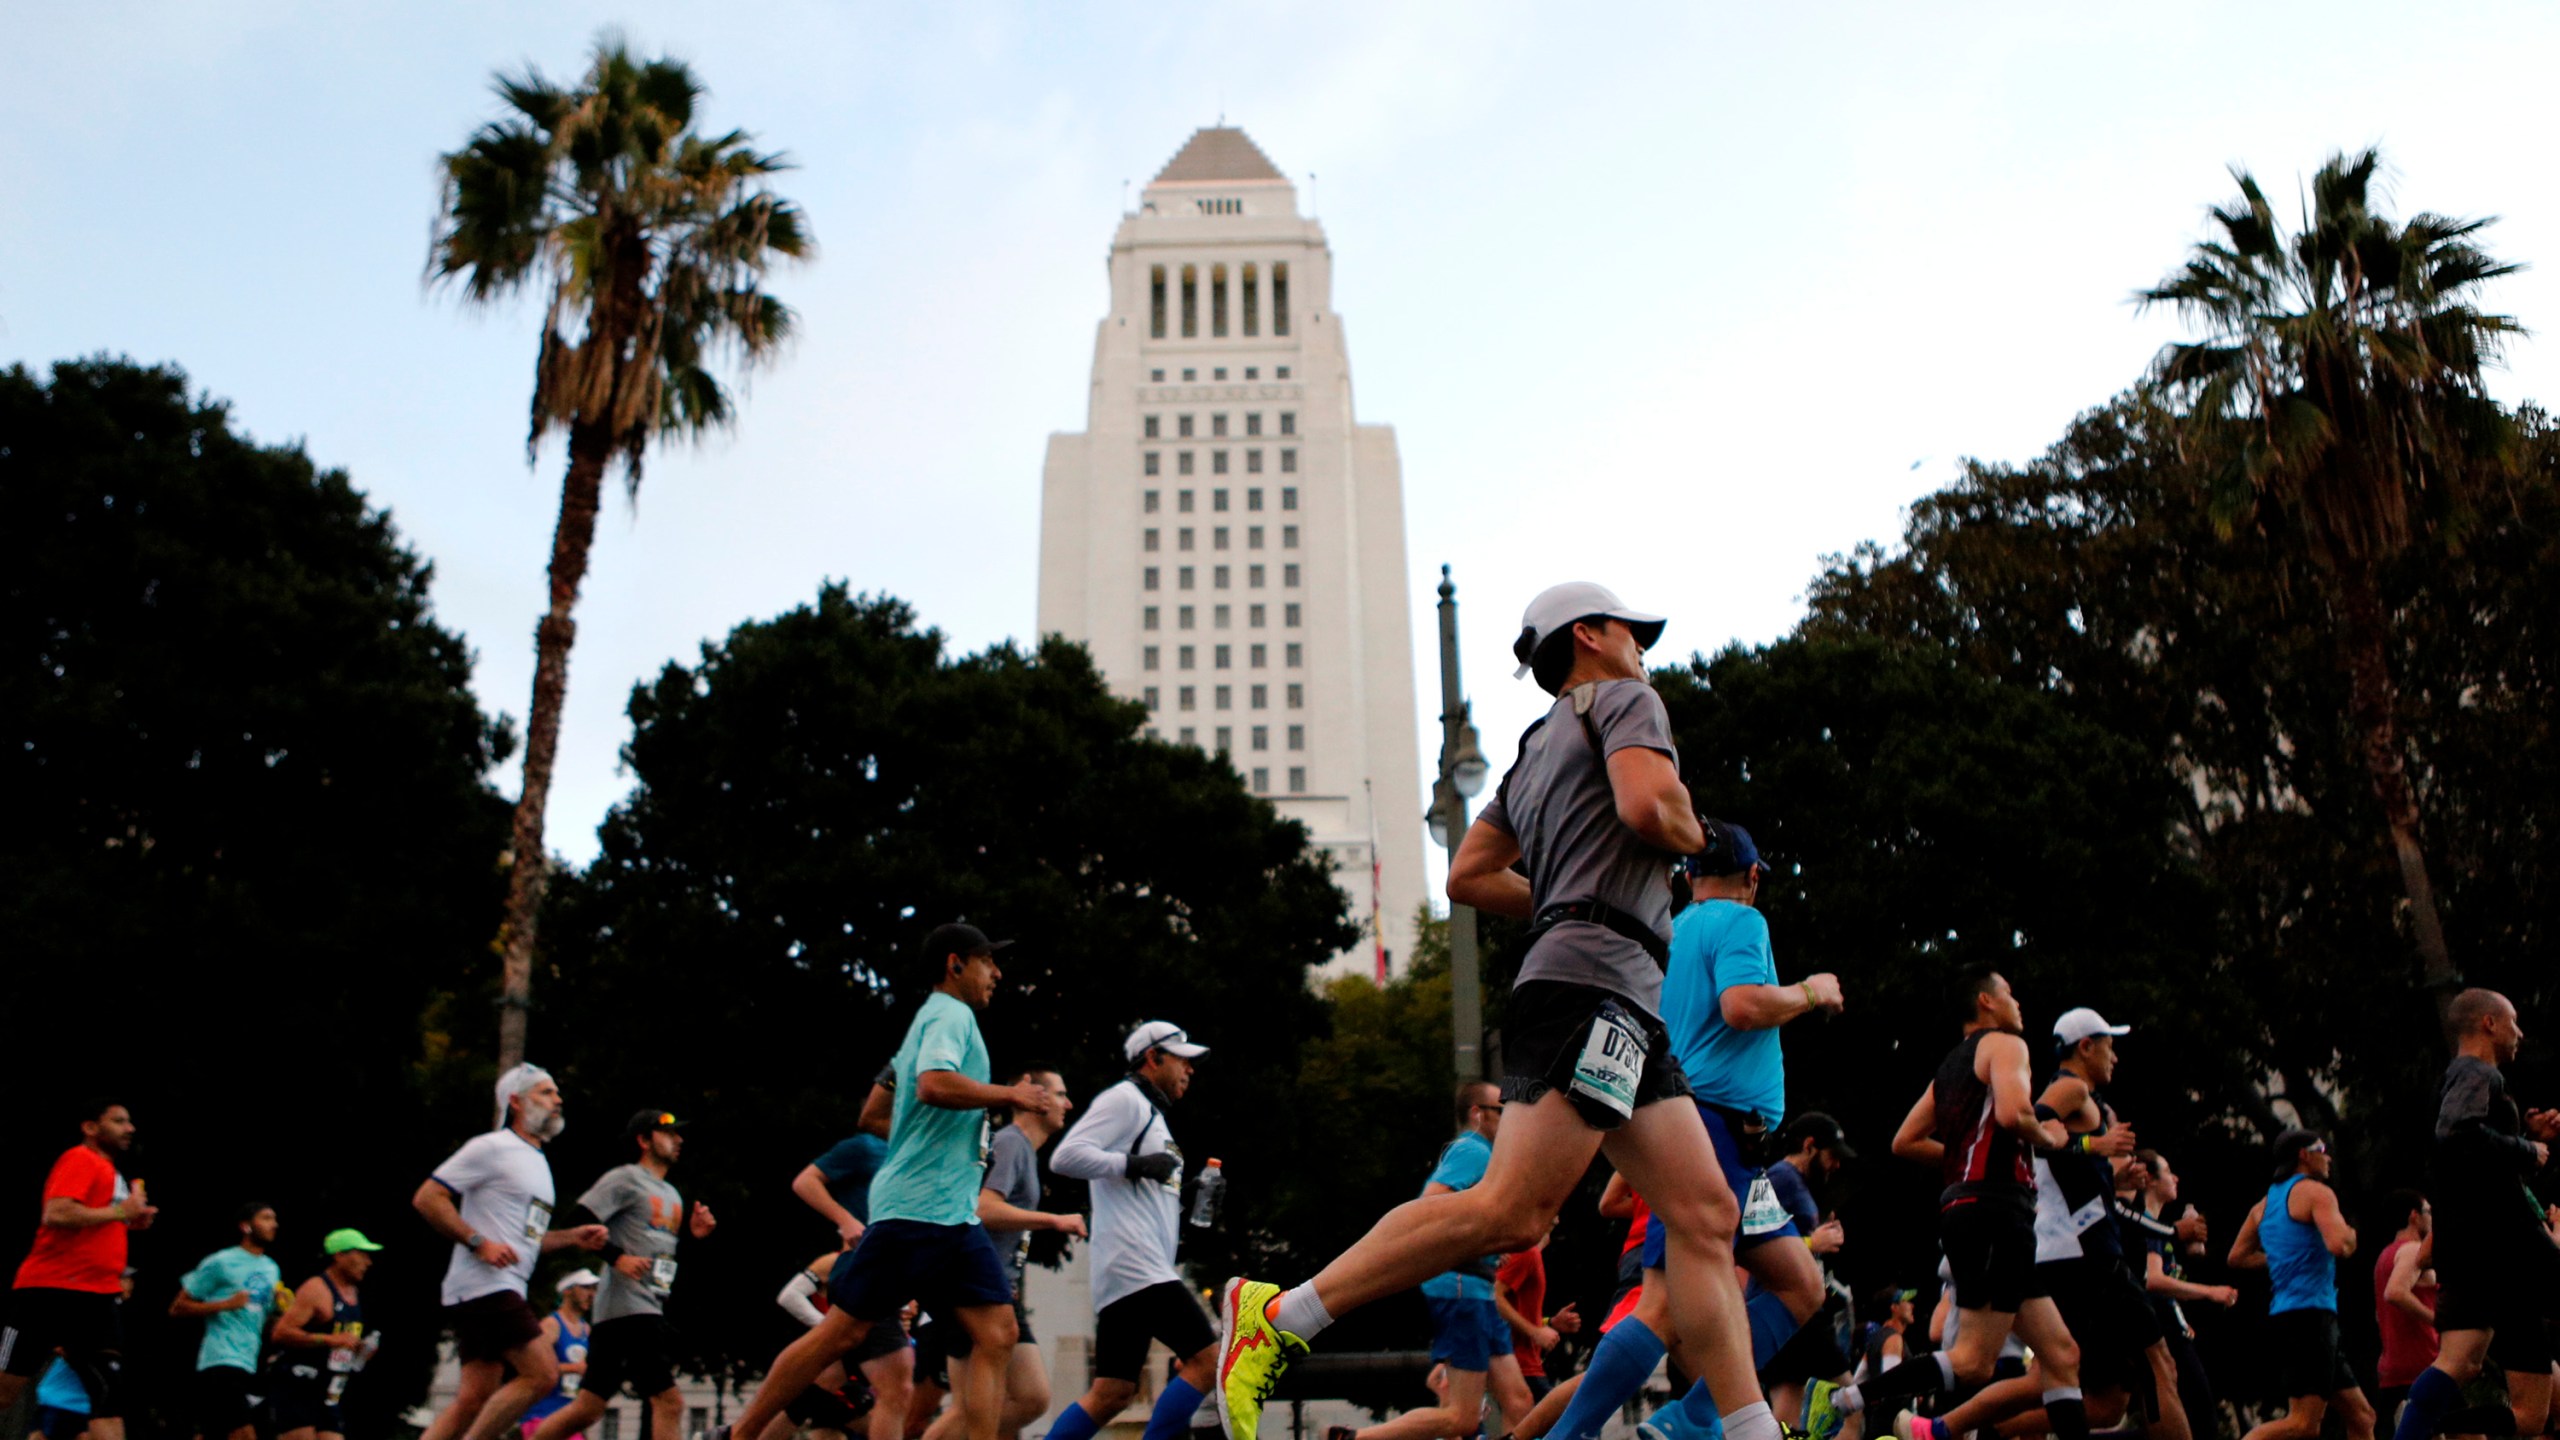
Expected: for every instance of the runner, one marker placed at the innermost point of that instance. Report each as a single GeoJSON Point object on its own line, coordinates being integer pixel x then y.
{"type": "Point", "coordinates": [835, 1401]}
{"type": "Point", "coordinates": [1722, 1006]}
{"type": "Point", "coordinates": [837, 1183]}
{"type": "Point", "coordinates": [1595, 807]}
{"type": "Point", "coordinates": [2145, 1189]}
{"type": "Point", "coordinates": [1977, 1123]}
{"type": "Point", "coordinates": [1520, 1290]}
{"type": "Point", "coordinates": [924, 1241]}
{"type": "Point", "coordinates": [2404, 1303]}
{"type": "Point", "coordinates": [566, 1331]}
{"type": "Point", "coordinates": [2297, 1234]}
{"type": "Point", "coordinates": [67, 1287]}
{"type": "Point", "coordinates": [1009, 1205]}
{"type": "Point", "coordinates": [1124, 1148]}
{"type": "Point", "coordinates": [2495, 1260]}
{"type": "Point", "coordinates": [233, 1292]}
{"type": "Point", "coordinates": [321, 1342]}
{"type": "Point", "coordinates": [633, 1346]}
{"type": "Point", "coordinates": [492, 1199]}
{"type": "Point", "coordinates": [1885, 1343]}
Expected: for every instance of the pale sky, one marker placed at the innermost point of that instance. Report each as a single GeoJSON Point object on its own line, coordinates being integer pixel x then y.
{"type": "Point", "coordinates": [1680, 298]}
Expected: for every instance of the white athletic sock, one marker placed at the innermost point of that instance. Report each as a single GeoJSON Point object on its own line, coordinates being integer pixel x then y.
{"type": "Point", "coordinates": [1301, 1313]}
{"type": "Point", "coordinates": [1751, 1422]}
{"type": "Point", "coordinates": [1847, 1400]}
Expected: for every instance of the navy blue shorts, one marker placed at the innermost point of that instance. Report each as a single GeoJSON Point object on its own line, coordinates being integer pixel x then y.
{"type": "Point", "coordinates": [1763, 1218]}
{"type": "Point", "coordinates": [1467, 1334]}
{"type": "Point", "coordinates": [945, 1267]}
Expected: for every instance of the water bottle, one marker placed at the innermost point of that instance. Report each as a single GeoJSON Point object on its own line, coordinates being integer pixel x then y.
{"type": "Point", "coordinates": [1212, 1193]}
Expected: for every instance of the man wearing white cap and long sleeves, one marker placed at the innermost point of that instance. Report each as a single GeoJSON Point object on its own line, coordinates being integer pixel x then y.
{"type": "Point", "coordinates": [1595, 813]}
{"type": "Point", "coordinates": [1125, 1150]}
{"type": "Point", "coordinates": [493, 1200]}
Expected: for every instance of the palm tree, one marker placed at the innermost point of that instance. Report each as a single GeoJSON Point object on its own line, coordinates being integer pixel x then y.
{"type": "Point", "coordinates": [2335, 398]}
{"type": "Point", "coordinates": [653, 241]}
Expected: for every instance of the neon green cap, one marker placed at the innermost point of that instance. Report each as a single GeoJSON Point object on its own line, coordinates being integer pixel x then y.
{"type": "Point", "coordinates": [342, 1241]}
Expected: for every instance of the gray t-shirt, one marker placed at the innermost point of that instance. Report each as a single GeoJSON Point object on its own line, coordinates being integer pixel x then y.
{"type": "Point", "coordinates": [644, 1213]}
{"type": "Point", "coordinates": [1013, 1171]}
{"type": "Point", "coordinates": [1557, 804]}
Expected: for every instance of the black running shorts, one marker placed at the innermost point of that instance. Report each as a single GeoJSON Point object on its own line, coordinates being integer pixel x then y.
{"type": "Point", "coordinates": [637, 1351]}
{"type": "Point", "coordinates": [1165, 1311]}
{"type": "Point", "coordinates": [226, 1400]}
{"type": "Point", "coordinates": [491, 1326]}
{"type": "Point", "coordinates": [1549, 1022]}
{"type": "Point", "coordinates": [84, 1325]}
{"type": "Point", "coordinates": [2304, 1345]}
{"type": "Point", "coordinates": [2475, 1294]}
{"type": "Point", "coordinates": [2109, 1315]}
{"type": "Point", "coordinates": [1991, 1253]}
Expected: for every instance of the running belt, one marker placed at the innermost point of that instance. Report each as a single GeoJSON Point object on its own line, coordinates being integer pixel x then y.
{"type": "Point", "coordinates": [1607, 916]}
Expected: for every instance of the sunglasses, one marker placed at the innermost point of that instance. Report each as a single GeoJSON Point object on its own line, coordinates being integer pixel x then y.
{"type": "Point", "coordinates": [2316, 1147]}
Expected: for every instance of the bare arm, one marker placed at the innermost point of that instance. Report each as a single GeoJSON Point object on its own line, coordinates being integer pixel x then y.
{"type": "Point", "coordinates": [1917, 1140]}
{"type": "Point", "coordinates": [309, 1304]}
{"type": "Point", "coordinates": [63, 1212]}
{"type": "Point", "coordinates": [1526, 1327]}
{"type": "Point", "coordinates": [2402, 1288]}
{"type": "Point", "coordinates": [1480, 875]}
{"type": "Point", "coordinates": [2002, 1059]}
{"type": "Point", "coordinates": [878, 1108]}
{"type": "Point", "coordinates": [811, 1186]}
{"type": "Point", "coordinates": [1765, 1007]}
{"type": "Point", "coordinates": [434, 1204]}
{"type": "Point", "coordinates": [2335, 1232]}
{"type": "Point", "coordinates": [2157, 1279]}
{"type": "Point", "coordinates": [1617, 1198]}
{"type": "Point", "coordinates": [951, 1090]}
{"type": "Point", "coordinates": [1652, 802]}
{"type": "Point", "coordinates": [188, 1307]}
{"type": "Point", "coordinates": [997, 1213]}
{"type": "Point", "coordinates": [2245, 1254]}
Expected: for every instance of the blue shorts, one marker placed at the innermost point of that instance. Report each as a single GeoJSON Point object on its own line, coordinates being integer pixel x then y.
{"type": "Point", "coordinates": [1755, 1231]}
{"type": "Point", "coordinates": [947, 1268]}
{"type": "Point", "coordinates": [1467, 1334]}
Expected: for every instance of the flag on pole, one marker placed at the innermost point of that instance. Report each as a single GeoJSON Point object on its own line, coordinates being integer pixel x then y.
{"type": "Point", "coordinates": [1377, 886]}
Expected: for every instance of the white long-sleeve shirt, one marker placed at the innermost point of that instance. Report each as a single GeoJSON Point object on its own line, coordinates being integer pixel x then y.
{"type": "Point", "coordinates": [1137, 1224]}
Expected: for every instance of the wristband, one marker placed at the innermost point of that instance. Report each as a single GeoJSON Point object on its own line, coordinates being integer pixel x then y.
{"type": "Point", "coordinates": [1809, 1002]}
{"type": "Point", "coordinates": [474, 1240]}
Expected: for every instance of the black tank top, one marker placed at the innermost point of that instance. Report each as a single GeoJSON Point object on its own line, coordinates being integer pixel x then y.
{"type": "Point", "coordinates": [1983, 1159]}
{"type": "Point", "coordinates": [2083, 1208]}
{"type": "Point", "coordinates": [346, 1317]}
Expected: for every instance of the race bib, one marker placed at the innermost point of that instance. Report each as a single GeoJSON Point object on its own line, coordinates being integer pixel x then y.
{"type": "Point", "coordinates": [1761, 1212]}
{"type": "Point", "coordinates": [662, 1273]}
{"type": "Point", "coordinates": [537, 1218]}
{"type": "Point", "coordinates": [569, 1384]}
{"type": "Point", "coordinates": [1612, 1060]}
{"type": "Point", "coordinates": [337, 1385]}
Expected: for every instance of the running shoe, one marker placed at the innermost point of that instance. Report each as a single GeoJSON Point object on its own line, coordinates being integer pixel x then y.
{"type": "Point", "coordinates": [1672, 1422]}
{"type": "Point", "coordinates": [1823, 1417]}
{"type": "Point", "coordinates": [1910, 1425]}
{"type": "Point", "coordinates": [1253, 1353]}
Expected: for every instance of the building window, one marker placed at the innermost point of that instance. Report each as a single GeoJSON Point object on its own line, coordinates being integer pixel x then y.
{"type": "Point", "coordinates": [1155, 305]}
{"type": "Point", "coordinates": [1256, 616]}
{"type": "Point", "coordinates": [1288, 537]}
{"type": "Point", "coordinates": [1252, 537]}
{"type": "Point", "coordinates": [1152, 698]}
{"type": "Point", "coordinates": [1288, 422]}
{"type": "Point", "coordinates": [1291, 617]}
{"type": "Point", "coordinates": [1190, 305]}
{"type": "Point", "coordinates": [1280, 304]}
{"type": "Point", "coordinates": [1220, 578]}
{"type": "Point", "coordinates": [1182, 501]}
{"type": "Point", "coordinates": [1152, 658]}
{"type": "Point", "coordinates": [1253, 576]}
{"type": "Point", "coordinates": [1218, 374]}
{"type": "Point", "coordinates": [1154, 540]}
{"type": "Point", "coordinates": [1154, 618]}
{"type": "Point", "coordinates": [1226, 738]}
{"type": "Point", "coordinates": [1297, 696]}
{"type": "Point", "coordinates": [1155, 426]}
{"type": "Point", "coordinates": [1261, 656]}
{"type": "Point", "coordinates": [1182, 462]}
{"type": "Point", "coordinates": [1253, 498]}
{"type": "Point", "coordinates": [1288, 498]}
{"type": "Point", "coordinates": [1280, 374]}
{"type": "Point", "coordinates": [1226, 697]}
{"type": "Point", "coordinates": [1261, 780]}
{"type": "Point", "coordinates": [1297, 779]}
{"type": "Point", "coordinates": [1189, 374]}
{"type": "Point", "coordinates": [1288, 577]}
{"type": "Point", "coordinates": [1253, 462]}
{"type": "Point", "coordinates": [1155, 463]}
{"type": "Point", "coordinates": [1190, 736]}
{"type": "Point", "coordinates": [1218, 501]}
{"type": "Point", "coordinates": [1154, 579]}
{"type": "Point", "coordinates": [1226, 657]}
{"type": "Point", "coordinates": [1182, 423]}
{"type": "Point", "coordinates": [1261, 737]}
{"type": "Point", "coordinates": [1288, 463]}
{"type": "Point", "coordinates": [1156, 375]}
{"type": "Point", "coordinates": [1218, 537]}
{"type": "Point", "coordinates": [1188, 697]}
{"type": "Point", "coordinates": [1185, 657]}
{"type": "Point", "coordinates": [1218, 423]}
{"type": "Point", "coordinates": [1251, 305]}
{"type": "Point", "coordinates": [1185, 579]}
{"type": "Point", "coordinates": [1253, 423]}
{"type": "Point", "coordinates": [1152, 733]}
{"type": "Point", "coordinates": [1219, 617]}
{"type": "Point", "coordinates": [1183, 537]}
{"type": "Point", "coordinates": [1252, 372]}
{"type": "Point", "coordinates": [1297, 655]}
{"type": "Point", "coordinates": [1297, 737]}
{"type": "Point", "coordinates": [1155, 501]}
{"type": "Point", "coordinates": [1218, 303]}
{"type": "Point", "coordinates": [1217, 462]}
{"type": "Point", "coordinates": [1186, 617]}
{"type": "Point", "coordinates": [1261, 697]}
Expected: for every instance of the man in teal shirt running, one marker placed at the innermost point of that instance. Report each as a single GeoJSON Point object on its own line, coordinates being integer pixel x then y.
{"type": "Point", "coordinates": [924, 1243]}
{"type": "Point", "coordinates": [234, 1292]}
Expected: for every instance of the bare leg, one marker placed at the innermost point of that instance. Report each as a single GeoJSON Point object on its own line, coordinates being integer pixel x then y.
{"type": "Point", "coordinates": [796, 1368]}
{"type": "Point", "coordinates": [1454, 1419]}
{"type": "Point", "coordinates": [2529, 1395]}
{"type": "Point", "coordinates": [2172, 1407]}
{"type": "Point", "coordinates": [892, 1378]}
{"type": "Point", "coordinates": [1107, 1397]}
{"type": "Point", "coordinates": [480, 1380]}
{"type": "Point", "coordinates": [666, 1414]}
{"type": "Point", "coordinates": [2300, 1421]}
{"type": "Point", "coordinates": [991, 1333]}
{"type": "Point", "coordinates": [1997, 1402]}
{"type": "Point", "coordinates": [1026, 1390]}
{"type": "Point", "coordinates": [1663, 1151]}
{"type": "Point", "coordinates": [1510, 1389]}
{"type": "Point", "coordinates": [2057, 1354]}
{"type": "Point", "coordinates": [537, 1375]}
{"type": "Point", "coordinates": [584, 1409]}
{"type": "Point", "coordinates": [1549, 1409]}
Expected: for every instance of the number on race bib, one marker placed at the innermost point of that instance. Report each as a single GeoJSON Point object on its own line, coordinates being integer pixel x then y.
{"type": "Point", "coordinates": [1612, 1061]}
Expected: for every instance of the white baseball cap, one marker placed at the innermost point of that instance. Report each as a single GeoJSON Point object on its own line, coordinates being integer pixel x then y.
{"type": "Point", "coordinates": [1558, 606]}
{"type": "Point", "coordinates": [576, 1278]}
{"type": "Point", "coordinates": [516, 1081]}
{"type": "Point", "coordinates": [2078, 1025]}
{"type": "Point", "coordinates": [1162, 1035]}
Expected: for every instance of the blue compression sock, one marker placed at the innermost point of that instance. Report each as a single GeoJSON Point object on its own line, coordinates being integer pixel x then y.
{"type": "Point", "coordinates": [1174, 1407]}
{"type": "Point", "coordinates": [2431, 1395]}
{"type": "Point", "coordinates": [1619, 1368]}
{"type": "Point", "coordinates": [1077, 1423]}
{"type": "Point", "coordinates": [1700, 1406]}
{"type": "Point", "coordinates": [1772, 1326]}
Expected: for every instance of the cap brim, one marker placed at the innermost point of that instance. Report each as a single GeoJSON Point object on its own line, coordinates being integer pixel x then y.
{"type": "Point", "coordinates": [1841, 1147]}
{"type": "Point", "coordinates": [1186, 1051]}
{"type": "Point", "coordinates": [1648, 628]}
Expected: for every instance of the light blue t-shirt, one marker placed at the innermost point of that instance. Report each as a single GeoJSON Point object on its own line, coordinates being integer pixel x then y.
{"type": "Point", "coordinates": [935, 1155]}
{"type": "Point", "coordinates": [233, 1337]}
{"type": "Point", "coordinates": [1716, 945]}
{"type": "Point", "coordinates": [1462, 1165]}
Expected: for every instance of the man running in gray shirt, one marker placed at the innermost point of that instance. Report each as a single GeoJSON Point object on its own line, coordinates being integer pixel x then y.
{"type": "Point", "coordinates": [632, 1344]}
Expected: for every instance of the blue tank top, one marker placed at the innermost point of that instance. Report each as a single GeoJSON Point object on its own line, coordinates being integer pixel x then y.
{"type": "Point", "coordinates": [569, 1349]}
{"type": "Point", "coordinates": [2305, 1274]}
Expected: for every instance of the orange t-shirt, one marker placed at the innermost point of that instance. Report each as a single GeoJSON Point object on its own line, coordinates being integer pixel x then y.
{"type": "Point", "coordinates": [87, 1257]}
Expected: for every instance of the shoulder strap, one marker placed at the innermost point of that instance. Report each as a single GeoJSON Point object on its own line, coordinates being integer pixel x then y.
{"type": "Point", "coordinates": [1144, 1092]}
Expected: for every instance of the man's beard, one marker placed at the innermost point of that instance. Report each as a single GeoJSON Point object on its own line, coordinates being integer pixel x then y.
{"type": "Point", "coordinates": [544, 1124]}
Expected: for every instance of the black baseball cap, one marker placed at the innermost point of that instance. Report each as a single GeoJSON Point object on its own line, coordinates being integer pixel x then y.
{"type": "Point", "coordinates": [1823, 1131]}
{"type": "Point", "coordinates": [959, 938]}
{"type": "Point", "coordinates": [644, 1122]}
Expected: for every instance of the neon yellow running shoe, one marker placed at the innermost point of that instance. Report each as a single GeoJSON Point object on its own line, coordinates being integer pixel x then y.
{"type": "Point", "coordinates": [1252, 1354]}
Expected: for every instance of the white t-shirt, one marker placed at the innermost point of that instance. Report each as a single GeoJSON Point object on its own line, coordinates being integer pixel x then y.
{"type": "Point", "coordinates": [1137, 1224]}
{"type": "Point", "coordinates": [502, 1185]}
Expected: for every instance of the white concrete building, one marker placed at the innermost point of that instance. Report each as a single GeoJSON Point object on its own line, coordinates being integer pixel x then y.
{"type": "Point", "coordinates": [1227, 537]}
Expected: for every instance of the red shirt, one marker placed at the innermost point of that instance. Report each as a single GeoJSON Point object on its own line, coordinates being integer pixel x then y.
{"type": "Point", "coordinates": [1525, 1276]}
{"type": "Point", "coordinates": [2408, 1343]}
{"type": "Point", "coordinates": [87, 1257]}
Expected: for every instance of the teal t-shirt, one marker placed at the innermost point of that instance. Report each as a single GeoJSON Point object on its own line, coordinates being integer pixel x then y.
{"type": "Point", "coordinates": [1716, 945]}
{"type": "Point", "coordinates": [233, 1337]}
{"type": "Point", "coordinates": [1461, 1165]}
{"type": "Point", "coordinates": [935, 1156]}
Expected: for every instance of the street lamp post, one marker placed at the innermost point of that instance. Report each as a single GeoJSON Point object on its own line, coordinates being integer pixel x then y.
{"type": "Point", "coordinates": [1462, 776]}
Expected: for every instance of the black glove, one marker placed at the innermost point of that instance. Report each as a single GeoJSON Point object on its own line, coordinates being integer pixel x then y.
{"type": "Point", "coordinates": [1158, 1167]}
